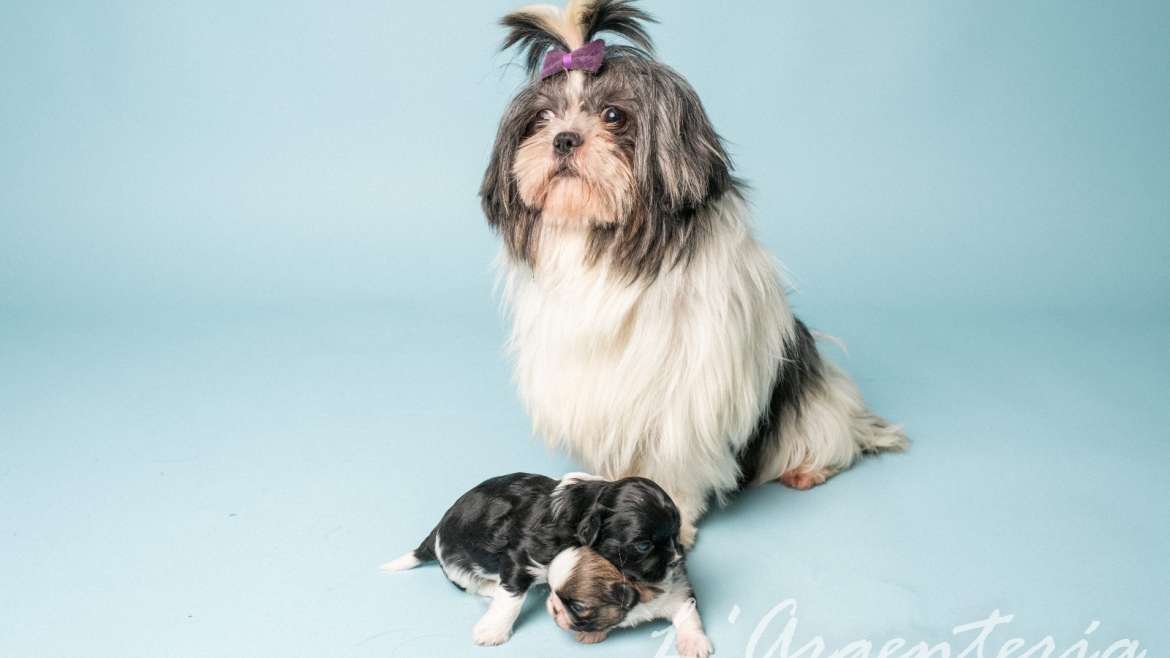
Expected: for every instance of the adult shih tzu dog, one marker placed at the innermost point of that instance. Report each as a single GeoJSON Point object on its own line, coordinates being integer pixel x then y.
{"type": "Point", "coordinates": [650, 331]}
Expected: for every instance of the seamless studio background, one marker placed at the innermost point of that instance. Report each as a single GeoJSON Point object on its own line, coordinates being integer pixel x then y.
{"type": "Point", "coordinates": [249, 347]}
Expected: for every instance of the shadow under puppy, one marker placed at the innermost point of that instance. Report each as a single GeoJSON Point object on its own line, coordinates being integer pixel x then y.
{"type": "Point", "coordinates": [500, 537]}
{"type": "Point", "coordinates": [591, 597]}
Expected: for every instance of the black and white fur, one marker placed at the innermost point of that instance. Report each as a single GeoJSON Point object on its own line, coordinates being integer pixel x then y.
{"type": "Point", "coordinates": [499, 538]}
{"type": "Point", "coordinates": [651, 332]}
{"type": "Point", "coordinates": [572, 573]}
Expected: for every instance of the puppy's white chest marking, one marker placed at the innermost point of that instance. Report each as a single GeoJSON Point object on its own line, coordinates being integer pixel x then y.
{"type": "Point", "coordinates": [538, 572]}
{"type": "Point", "coordinates": [675, 597]}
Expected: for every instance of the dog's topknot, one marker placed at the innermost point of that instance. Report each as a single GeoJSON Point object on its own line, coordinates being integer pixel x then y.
{"type": "Point", "coordinates": [536, 29]}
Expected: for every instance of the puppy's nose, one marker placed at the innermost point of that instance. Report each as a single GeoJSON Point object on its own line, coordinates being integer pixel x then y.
{"type": "Point", "coordinates": [565, 142]}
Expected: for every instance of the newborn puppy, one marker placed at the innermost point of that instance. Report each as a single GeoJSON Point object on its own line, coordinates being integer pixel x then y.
{"type": "Point", "coordinates": [498, 539]}
{"type": "Point", "coordinates": [590, 596]}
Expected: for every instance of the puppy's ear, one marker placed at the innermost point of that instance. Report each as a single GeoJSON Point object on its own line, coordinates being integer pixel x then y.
{"type": "Point", "coordinates": [589, 527]}
{"type": "Point", "coordinates": [624, 594]}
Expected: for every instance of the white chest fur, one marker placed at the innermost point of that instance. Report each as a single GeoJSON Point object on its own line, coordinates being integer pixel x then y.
{"type": "Point", "coordinates": [652, 377]}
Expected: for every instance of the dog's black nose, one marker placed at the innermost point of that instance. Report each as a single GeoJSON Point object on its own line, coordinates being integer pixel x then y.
{"type": "Point", "coordinates": [565, 142]}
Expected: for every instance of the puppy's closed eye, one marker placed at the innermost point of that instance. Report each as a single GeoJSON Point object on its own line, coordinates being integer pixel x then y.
{"type": "Point", "coordinates": [623, 594]}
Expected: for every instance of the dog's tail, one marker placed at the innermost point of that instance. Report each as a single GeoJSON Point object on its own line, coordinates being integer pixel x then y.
{"type": "Point", "coordinates": [871, 433]}
{"type": "Point", "coordinates": [875, 434]}
{"type": "Point", "coordinates": [424, 553]}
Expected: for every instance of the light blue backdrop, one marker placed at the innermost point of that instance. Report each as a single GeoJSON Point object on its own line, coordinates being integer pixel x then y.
{"type": "Point", "coordinates": [901, 153]}
{"type": "Point", "coordinates": [249, 350]}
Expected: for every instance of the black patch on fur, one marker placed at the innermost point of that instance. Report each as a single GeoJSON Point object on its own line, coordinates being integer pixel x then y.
{"type": "Point", "coordinates": [635, 511]}
{"type": "Point", "coordinates": [797, 373]}
{"type": "Point", "coordinates": [508, 523]}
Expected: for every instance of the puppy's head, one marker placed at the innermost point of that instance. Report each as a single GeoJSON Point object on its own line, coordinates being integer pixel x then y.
{"type": "Point", "coordinates": [588, 594]}
{"type": "Point", "coordinates": [632, 523]}
{"type": "Point", "coordinates": [625, 153]}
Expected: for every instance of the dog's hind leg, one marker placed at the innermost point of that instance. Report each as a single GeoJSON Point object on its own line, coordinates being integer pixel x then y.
{"type": "Point", "coordinates": [507, 599]}
{"type": "Point", "coordinates": [803, 478]}
{"type": "Point", "coordinates": [495, 627]}
{"type": "Point", "coordinates": [830, 430]}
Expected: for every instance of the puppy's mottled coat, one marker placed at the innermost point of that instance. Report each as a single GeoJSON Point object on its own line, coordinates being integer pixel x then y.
{"type": "Point", "coordinates": [499, 538]}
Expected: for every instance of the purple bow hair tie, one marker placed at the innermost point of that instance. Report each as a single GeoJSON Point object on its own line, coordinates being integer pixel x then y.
{"type": "Point", "coordinates": [586, 58]}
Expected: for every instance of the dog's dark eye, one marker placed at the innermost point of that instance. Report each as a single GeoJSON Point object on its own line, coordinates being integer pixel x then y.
{"type": "Point", "coordinates": [643, 546]}
{"type": "Point", "coordinates": [578, 607]}
{"type": "Point", "coordinates": [613, 117]}
{"type": "Point", "coordinates": [538, 121]}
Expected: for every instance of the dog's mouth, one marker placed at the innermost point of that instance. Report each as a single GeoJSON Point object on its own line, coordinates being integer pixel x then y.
{"type": "Point", "coordinates": [564, 170]}
{"type": "Point", "coordinates": [583, 628]}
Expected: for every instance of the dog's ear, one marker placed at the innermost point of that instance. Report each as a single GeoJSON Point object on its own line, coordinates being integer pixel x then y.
{"type": "Point", "coordinates": [680, 167]}
{"type": "Point", "coordinates": [687, 156]}
{"type": "Point", "coordinates": [499, 195]}
{"type": "Point", "coordinates": [590, 526]}
{"type": "Point", "coordinates": [624, 594]}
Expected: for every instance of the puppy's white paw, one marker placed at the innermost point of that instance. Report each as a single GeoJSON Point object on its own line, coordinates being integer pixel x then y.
{"type": "Point", "coordinates": [490, 632]}
{"type": "Point", "coordinates": [693, 645]}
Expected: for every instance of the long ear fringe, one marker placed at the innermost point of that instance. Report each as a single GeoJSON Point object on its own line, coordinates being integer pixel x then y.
{"type": "Point", "coordinates": [536, 30]}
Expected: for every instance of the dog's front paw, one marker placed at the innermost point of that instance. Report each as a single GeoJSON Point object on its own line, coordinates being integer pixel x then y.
{"type": "Point", "coordinates": [489, 633]}
{"type": "Point", "coordinates": [687, 535]}
{"type": "Point", "coordinates": [693, 645]}
{"type": "Point", "coordinates": [592, 638]}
